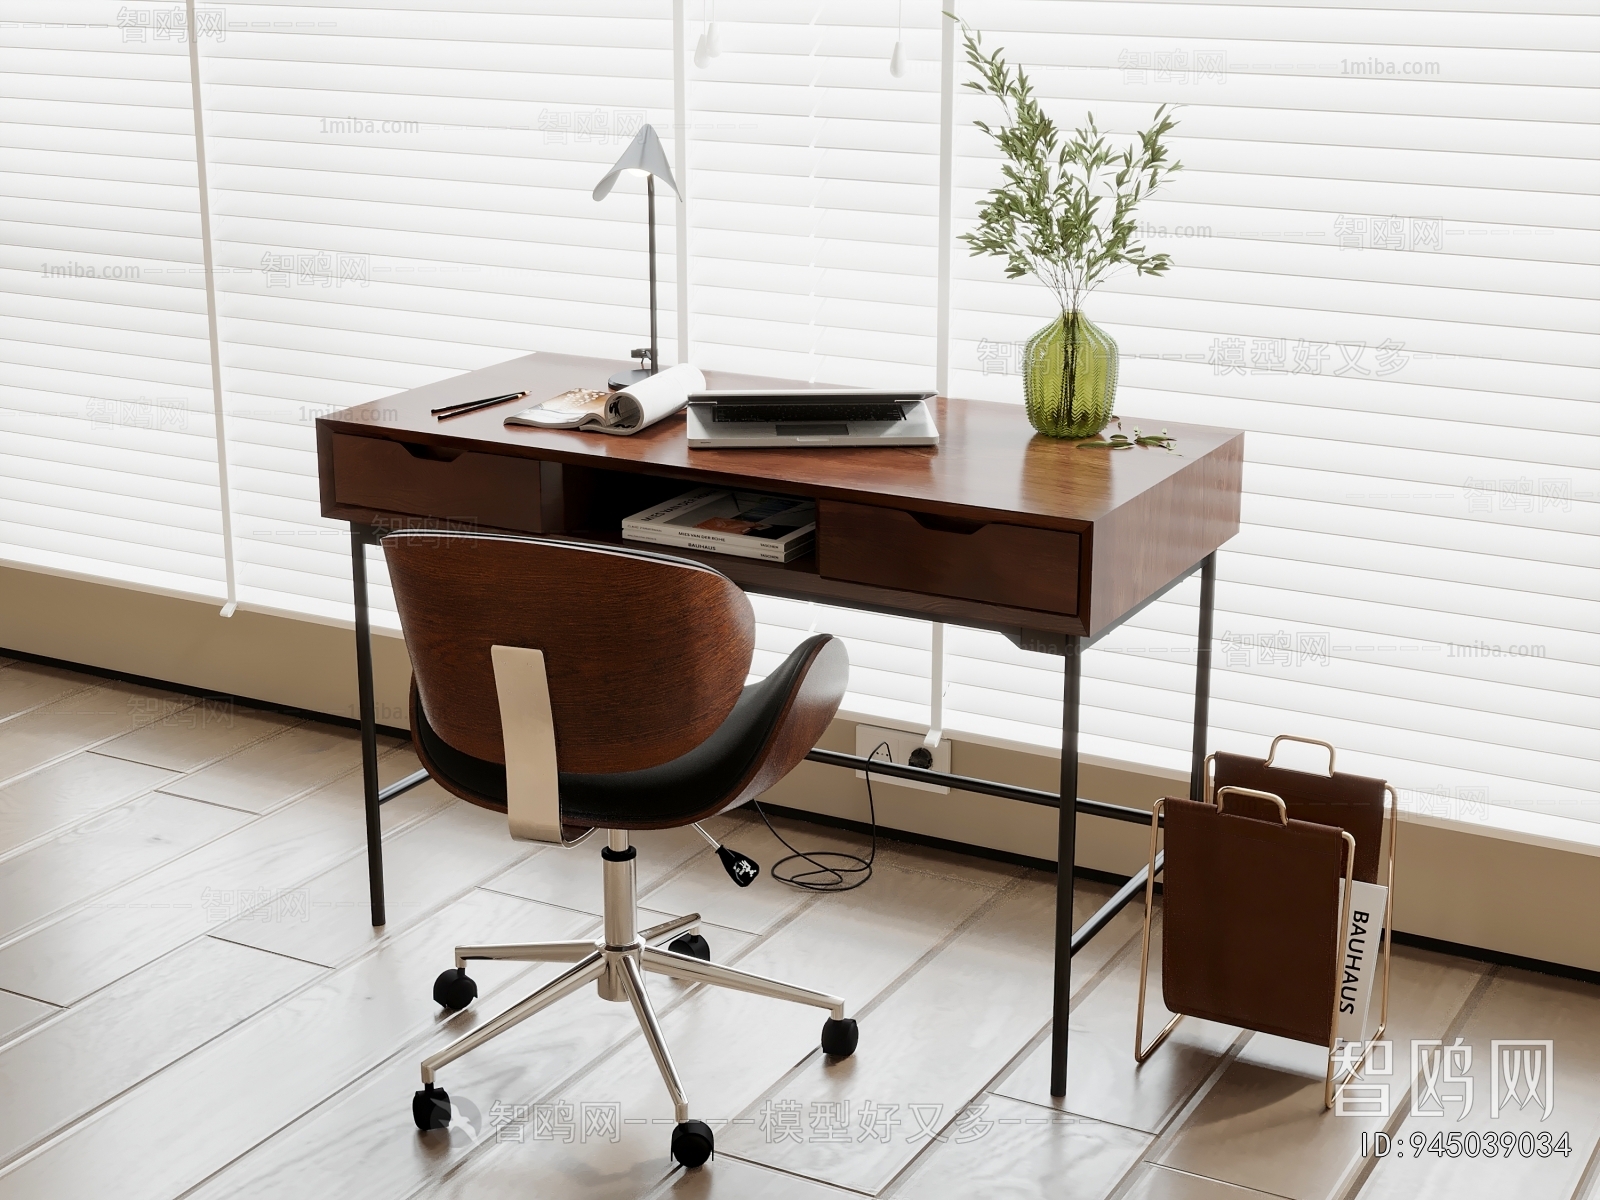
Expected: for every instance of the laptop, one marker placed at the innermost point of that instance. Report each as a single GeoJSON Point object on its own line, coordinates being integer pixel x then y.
{"type": "Point", "coordinates": [810, 417]}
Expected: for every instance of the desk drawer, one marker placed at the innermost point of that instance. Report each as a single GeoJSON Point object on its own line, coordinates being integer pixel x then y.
{"type": "Point", "coordinates": [1014, 565]}
{"type": "Point", "coordinates": [495, 490]}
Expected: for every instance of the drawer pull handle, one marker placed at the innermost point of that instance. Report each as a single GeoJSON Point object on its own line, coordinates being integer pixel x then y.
{"type": "Point", "coordinates": [947, 524]}
{"type": "Point", "coordinates": [432, 453]}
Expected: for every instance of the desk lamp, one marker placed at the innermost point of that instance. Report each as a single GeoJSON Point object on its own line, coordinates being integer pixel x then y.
{"type": "Point", "coordinates": [645, 154]}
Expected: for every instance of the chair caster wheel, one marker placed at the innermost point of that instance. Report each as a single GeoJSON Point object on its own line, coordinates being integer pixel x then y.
{"type": "Point", "coordinates": [454, 990]}
{"type": "Point", "coordinates": [839, 1037]}
{"type": "Point", "coordinates": [693, 945]}
{"type": "Point", "coordinates": [692, 1143]}
{"type": "Point", "coordinates": [430, 1108]}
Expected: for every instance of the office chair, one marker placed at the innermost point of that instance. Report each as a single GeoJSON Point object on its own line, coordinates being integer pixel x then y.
{"type": "Point", "coordinates": [577, 688]}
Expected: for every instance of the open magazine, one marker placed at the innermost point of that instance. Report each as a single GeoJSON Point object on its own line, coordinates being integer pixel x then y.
{"type": "Point", "coordinates": [749, 524]}
{"type": "Point", "coordinates": [635, 407]}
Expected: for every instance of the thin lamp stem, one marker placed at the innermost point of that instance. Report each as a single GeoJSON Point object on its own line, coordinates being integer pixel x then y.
{"type": "Point", "coordinates": [650, 193]}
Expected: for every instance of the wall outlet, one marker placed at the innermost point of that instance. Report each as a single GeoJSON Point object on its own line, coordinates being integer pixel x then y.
{"type": "Point", "coordinates": [901, 744]}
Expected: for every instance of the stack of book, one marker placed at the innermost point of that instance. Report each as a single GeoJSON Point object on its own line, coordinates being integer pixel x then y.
{"type": "Point", "coordinates": [749, 524]}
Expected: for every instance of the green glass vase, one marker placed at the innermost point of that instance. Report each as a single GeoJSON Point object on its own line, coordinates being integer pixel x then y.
{"type": "Point", "coordinates": [1069, 377]}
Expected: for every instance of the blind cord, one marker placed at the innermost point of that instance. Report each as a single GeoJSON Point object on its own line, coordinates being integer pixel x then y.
{"type": "Point", "coordinates": [835, 878]}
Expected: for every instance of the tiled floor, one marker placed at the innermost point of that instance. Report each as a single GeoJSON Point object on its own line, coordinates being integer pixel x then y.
{"type": "Point", "coordinates": [193, 1004]}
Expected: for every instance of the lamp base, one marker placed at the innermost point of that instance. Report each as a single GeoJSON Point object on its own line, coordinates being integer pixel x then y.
{"type": "Point", "coordinates": [624, 379]}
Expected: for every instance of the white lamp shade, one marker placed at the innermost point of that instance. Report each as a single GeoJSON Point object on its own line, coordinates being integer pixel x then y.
{"type": "Point", "coordinates": [644, 153]}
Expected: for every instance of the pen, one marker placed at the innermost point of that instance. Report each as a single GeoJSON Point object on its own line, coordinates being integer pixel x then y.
{"type": "Point", "coordinates": [466, 406]}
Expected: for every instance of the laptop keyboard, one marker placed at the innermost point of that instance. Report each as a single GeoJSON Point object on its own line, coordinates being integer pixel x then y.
{"type": "Point", "coordinates": [807, 412]}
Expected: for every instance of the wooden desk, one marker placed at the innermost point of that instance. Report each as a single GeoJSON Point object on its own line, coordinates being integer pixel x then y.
{"type": "Point", "coordinates": [996, 527]}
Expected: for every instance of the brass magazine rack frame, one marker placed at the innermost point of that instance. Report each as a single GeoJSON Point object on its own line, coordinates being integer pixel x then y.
{"type": "Point", "coordinates": [1217, 798]}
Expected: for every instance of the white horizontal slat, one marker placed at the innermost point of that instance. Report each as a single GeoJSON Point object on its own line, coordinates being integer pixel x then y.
{"type": "Point", "coordinates": [1486, 503]}
{"type": "Point", "coordinates": [1520, 661]}
{"type": "Point", "coordinates": [1299, 24]}
{"type": "Point", "coordinates": [1337, 675]}
{"type": "Point", "coordinates": [108, 463]}
{"type": "Point", "coordinates": [1153, 323]}
{"type": "Point", "coordinates": [150, 453]}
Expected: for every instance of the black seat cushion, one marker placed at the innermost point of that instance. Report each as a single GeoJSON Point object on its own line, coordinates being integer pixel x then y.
{"type": "Point", "coordinates": [656, 796]}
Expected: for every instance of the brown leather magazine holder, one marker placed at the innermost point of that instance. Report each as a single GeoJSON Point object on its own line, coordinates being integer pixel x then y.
{"type": "Point", "coordinates": [1251, 898]}
{"type": "Point", "coordinates": [1252, 919]}
{"type": "Point", "coordinates": [1351, 802]}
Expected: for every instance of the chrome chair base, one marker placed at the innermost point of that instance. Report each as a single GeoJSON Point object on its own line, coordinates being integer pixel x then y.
{"type": "Point", "coordinates": [617, 964]}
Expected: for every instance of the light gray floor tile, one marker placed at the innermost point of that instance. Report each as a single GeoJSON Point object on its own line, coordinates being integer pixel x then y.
{"type": "Point", "coordinates": [18, 1013]}
{"type": "Point", "coordinates": [1517, 1005]}
{"type": "Point", "coordinates": [265, 775]}
{"type": "Point", "coordinates": [1007, 1150]}
{"type": "Point", "coordinates": [930, 1046]}
{"type": "Point", "coordinates": [1589, 1186]}
{"type": "Point", "coordinates": [179, 1127]}
{"type": "Point", "coordinates": [80, 720]}
{"type": "Point", "coordinates": [37, 805]}
{"type": "Point", "coordinates": [910, 856]}
{"type": "Point", "coordinates": [1163, 1183]}
{"type": "Point", "coordinates": [703, 885]}
{"type": "Point", "coordinates": [570, 876]}
{"type": "Point", "coordinates": [25, 685]}
{"type": "Point", "coordinates": [727, 1178]}
{"type": "Point", "coordinates": [126, 1033]}
{"type": "Point", "coordinates": [148, 917]}
{"type": "Point", "coordinates": [194, 736]}
{"type": "Point", "coordinates": [102, 852]}
{"type": "Point", "coordinates": [1262, 1124]}
{"type": "Point", "coordinates": [1103, 1081]}
{"type": "Point", "coordinates": [328, 919]}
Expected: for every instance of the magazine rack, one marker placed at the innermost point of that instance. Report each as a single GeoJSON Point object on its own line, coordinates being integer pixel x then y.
{"type": "Point", "coordinates": [1252, 899]}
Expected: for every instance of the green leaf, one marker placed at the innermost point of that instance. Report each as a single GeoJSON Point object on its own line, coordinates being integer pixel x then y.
{"type": "Point", "coordinates": [1120, 441]}
{"type": "Point", "coordinates": [1065, 211]}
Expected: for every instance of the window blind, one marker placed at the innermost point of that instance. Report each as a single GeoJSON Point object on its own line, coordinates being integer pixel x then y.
{"type": "Point", "coordinates": [400, 193]}
{"type": "Point", "coordinates": [107, 434]}
{"type": "Point", "coordinates": [813, 237]}
{"type": "Point", "coordinates": [1385, 241]}
{"type": "Point", "coordinates": [815, 170]}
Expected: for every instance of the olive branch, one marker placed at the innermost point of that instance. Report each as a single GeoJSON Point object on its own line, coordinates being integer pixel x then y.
{"type": "Point", "coordinates": [1065, 213]}
{"type": "Point", "coordinates": [1121, 441]}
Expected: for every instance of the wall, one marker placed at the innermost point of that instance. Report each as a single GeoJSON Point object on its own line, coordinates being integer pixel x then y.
{"type": "Point", "coordinates": [1460, 886]}
{"type": "Point", "coordinates": [260, 657]}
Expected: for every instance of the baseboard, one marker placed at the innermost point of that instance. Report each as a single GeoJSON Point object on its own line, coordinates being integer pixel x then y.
{"type": "Point", "coordinates": [1498, 957]}
{"type": "Point", "coordinates": [168, 685]}
{"type": "Point", "coordinates": [271, 658]}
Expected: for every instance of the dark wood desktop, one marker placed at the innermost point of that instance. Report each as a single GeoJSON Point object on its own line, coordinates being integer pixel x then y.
{"type": "Point", "coordinates": [995, 527]}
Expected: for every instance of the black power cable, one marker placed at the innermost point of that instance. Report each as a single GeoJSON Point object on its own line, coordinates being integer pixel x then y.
{"type": "Point", "coordinates": [834, 878]}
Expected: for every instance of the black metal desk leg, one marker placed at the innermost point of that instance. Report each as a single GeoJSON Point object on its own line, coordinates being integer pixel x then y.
{"type": "Point", "coordinates": [369, 722]}
{"type": "Point", "coordinates": [1202, 676]}
{"type": "Point", "coordinates": [1066, 856]}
